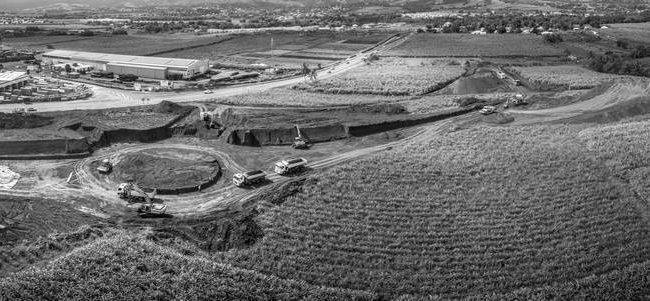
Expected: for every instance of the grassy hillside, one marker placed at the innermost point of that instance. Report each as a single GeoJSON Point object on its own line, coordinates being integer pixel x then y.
{"type": "Point", "coordinates": [547, 211]}
{"type": "Point", "coordinates": [128, 266]}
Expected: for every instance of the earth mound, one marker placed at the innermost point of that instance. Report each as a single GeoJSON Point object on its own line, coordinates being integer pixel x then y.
{"type": "Point", "coordinates": [483, 82]}
{"type": "Point", "coordinates": [169, 170]}
{"type": "Point", "coordinates": [170, 108]}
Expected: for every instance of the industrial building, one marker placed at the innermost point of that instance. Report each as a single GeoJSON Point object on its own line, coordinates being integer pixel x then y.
{"type": "Point", "coordinates": [142, 66]}
{"type": "Point", "coordinates": [10, 80]}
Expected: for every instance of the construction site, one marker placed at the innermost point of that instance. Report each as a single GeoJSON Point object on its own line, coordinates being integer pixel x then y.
{"type": "Point", "coordinates": [210, 170]}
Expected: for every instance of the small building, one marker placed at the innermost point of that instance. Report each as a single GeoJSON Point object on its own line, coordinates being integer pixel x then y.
{"type": "Point", "coordinates": [10, 80]}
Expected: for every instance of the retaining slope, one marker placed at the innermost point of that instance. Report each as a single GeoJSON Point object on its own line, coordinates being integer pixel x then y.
{"type": "Point", "coordinates": [285, 136]}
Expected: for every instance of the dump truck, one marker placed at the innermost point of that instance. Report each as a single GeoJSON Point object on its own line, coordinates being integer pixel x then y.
{"type": "Point", "coordinates": [288, 166]}
{"type": "Point", "coordinates": [248, 178]}
{"type": "Point", "coordinates": [105, 167]}
{"type": "Point", "coordinates": [487, 110]}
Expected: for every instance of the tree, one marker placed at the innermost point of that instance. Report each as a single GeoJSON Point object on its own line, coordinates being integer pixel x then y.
{"type": "Point", "coordinates": [68, 69]}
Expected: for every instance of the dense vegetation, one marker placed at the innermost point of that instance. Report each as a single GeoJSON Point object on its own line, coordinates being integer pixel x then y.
{"type": "Point", "coordinates": [487, 213]}
{"type": "Point", "coordinates": [127, 266]}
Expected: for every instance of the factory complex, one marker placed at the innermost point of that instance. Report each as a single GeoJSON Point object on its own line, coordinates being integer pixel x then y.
{"type": "Point", "coordinates": [141, 66]}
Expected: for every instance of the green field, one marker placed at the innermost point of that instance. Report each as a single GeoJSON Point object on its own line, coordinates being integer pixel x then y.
{"type": "Point", "coordinates": [466, 45]}
{"type": "Point", "coordinates": [487, 213]}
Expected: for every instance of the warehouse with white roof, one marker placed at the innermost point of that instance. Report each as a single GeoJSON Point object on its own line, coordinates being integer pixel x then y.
{"type": "Point", "coordinates": [142, 66]}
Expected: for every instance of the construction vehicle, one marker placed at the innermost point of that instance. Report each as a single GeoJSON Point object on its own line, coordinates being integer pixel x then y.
{"type": "Point", "coordinates": [149, 209]}
{"type": "Point", "coordinates": [288, 166]}
{"type": "Point", "coordinates": [300, 142]}
{"type": "Point", "coordinates": [132, 193]}
{"type": "Point", "coordinates": [105, 167]}
{"type": "Point", "coordinates": [517, 100]}
{"type": "Point", "coordinates": [487, 110]}
{"type": "Point", "coordinates": [248, 178]}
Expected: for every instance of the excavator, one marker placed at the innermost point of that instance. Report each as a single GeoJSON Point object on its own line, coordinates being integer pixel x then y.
{"type": "Point", "coordinates": [300, 142]}
{"type": "Point", "coordinates": [134, 194]}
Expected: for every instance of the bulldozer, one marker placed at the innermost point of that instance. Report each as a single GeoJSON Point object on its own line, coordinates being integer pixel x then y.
{"type": "Point", "coordinates": [300, 142]}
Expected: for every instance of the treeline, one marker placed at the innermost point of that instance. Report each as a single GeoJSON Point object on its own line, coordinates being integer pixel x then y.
{"type": "Point", "coordinates": [515, 22]}
{"type": "Point", "coordinates": [620, 64]}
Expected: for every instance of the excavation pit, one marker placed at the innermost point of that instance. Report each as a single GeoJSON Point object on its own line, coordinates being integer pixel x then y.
{"type": "Point", "coordinates": [169, 170]}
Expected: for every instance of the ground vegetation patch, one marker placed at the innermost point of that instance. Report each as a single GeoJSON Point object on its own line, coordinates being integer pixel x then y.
{"type": "Point", "coordinates": [537, 209]}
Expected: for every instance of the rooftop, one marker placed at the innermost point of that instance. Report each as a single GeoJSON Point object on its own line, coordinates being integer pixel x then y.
{"type": "Point", "coordinates": [121, 59]}
{"type": "Point", "coordinates": [8, 76]}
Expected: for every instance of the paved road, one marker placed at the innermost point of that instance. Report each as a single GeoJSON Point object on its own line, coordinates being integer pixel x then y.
{"type": "Point", "coordinates": [105, 98]}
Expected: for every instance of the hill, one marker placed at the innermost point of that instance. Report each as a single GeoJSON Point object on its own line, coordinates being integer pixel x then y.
{"type": "Point", "coordinates": [130, 264]}
{"type": "Point", "coordinates": [544, 211]}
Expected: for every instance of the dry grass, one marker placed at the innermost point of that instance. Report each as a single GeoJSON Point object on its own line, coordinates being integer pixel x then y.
{"type": "Point", "coordinates": [563, 77]}
{"type": "Point", "coordinates": [391, 76]}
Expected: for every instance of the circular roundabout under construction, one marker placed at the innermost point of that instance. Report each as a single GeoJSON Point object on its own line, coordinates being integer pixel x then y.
{"type": "Point", "coordinates": [156, 174]}
{"type": "Point", "coordinates": [167, 170]}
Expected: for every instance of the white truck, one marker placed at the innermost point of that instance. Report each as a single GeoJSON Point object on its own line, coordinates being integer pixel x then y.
{"type": "Point", "coordinates": [105, 167]}
{"type": "Point", "coordinates": [248, 178]}
{"type": "Point", "coordinates": [288, 166]}
{"type": "Point", "coordinates": [487, 110]}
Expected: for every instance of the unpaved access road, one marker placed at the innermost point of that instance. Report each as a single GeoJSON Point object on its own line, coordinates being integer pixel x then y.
{"type": "Point", "coordinates": [105, 98]}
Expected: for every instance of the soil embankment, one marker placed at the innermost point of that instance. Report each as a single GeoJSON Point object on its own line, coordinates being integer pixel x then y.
{"type": "Point", "coordinates": [334, 131]}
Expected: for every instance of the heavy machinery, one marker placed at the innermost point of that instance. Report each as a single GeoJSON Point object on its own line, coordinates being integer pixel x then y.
{"type": "Point", "coordinates": [487, 110]}
{"type": "Point", "coordinates": [288, 166]}
{"type": "Point", "coordinates": [149, 209]}
{"type": "Point", "coordinates": [134, 194]}
{"type": "Point", "coordinates": [517, 100]}
{"type": "Point", "coordinates": [105, 167]}
{"type": "Point", "coordinates": [300, 142]}
{"type": "Point", "coordinates": [248, 178]}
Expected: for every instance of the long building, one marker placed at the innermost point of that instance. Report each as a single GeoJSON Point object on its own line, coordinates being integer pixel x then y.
{"type": "Point", "coordinates": [10, 80]}
{"type": "Point", "coordinates": [142, 66]}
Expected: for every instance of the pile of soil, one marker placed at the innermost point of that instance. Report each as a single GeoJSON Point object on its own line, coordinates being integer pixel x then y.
{"type": "Point", "coordinates": [168, 170]}
{"type": "Point", "coordinates": [20, 121]}
{"type": "Point", "coordinates": [169, 107]}
{"type": "Point", "coordinates": [483, 82]}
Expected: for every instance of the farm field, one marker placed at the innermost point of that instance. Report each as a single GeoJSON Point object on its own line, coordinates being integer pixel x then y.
{"type": "Point", "coordinates": [436, 103]}
{"type": "Point", "coordinates": [263, 46]}
{"type": "Point", "coordinates": [545, 210]}
{"type": "Point", "coordinates": [128, 44]}
{"type": "Point", "coordinates": [297, 98]}
{"type": "Point", "coordinates": [629, 31]}
{"type": "Point", "coordinates": [565, 77]}
{"type": "Point", "coordinates": [101, 269]}
{"type": "Point", "coordinates": [466, 45]}
{"type": "Point", "coordinates": [391, 76]}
